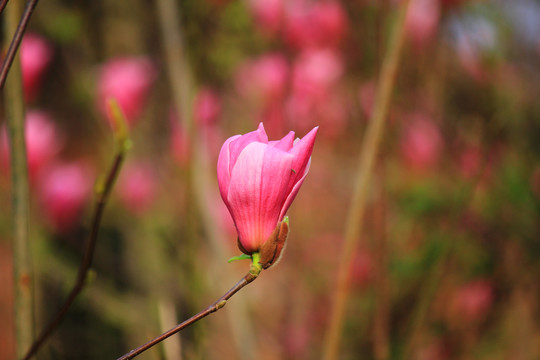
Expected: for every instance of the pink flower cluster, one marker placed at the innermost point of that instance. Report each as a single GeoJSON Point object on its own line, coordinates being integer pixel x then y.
{"type": "Point", "coordinates": [36, 54]}
{"type": "Point", "coordinates": [128, 81]}
{"type": "Point", "coordinates": [62, 188]}
{"type": "Point", "coordinates": [304, 89]}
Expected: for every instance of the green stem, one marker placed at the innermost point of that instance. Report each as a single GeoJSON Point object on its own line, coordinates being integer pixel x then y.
{"type": "Point", "coordinates": [381, 347]}
{"type": "Point", "coordinates": [425, 299]}
{"type": "Point", "coordinates": [22, 268]}
{"type": "Point", "coordinates": [370, 145]}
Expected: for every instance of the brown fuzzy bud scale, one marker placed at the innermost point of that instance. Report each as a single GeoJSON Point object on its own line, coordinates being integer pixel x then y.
{"type": "Point", "coordinates": [272, 249]}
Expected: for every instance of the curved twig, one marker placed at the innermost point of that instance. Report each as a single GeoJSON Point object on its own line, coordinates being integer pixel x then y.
{"type": "Point", "coordinates": [103, 191]}
{"type": "Point", "coordinates": [248, 278]}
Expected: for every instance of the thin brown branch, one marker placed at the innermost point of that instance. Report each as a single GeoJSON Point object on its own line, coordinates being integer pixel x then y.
{"type": "Point", "coordinates": [16, 40]}
{"type": "Point", "coordinates": [248, 278]}
{"type": "Point", "coordinates": [103, 192]}
{"type": "Point", "coordinates": [3, 5]}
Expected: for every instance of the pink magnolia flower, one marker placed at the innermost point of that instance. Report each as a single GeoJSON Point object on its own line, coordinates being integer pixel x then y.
{"type": "Point", "coordinates": [127, 80]}
{"type": "Point", "coordinates": [303, 110]}
{"type": "Point", "coordinates": [268, 15]}
{"type": "Point", "coordinates": [36, 54]}
{"type": "Point", "coordinates": [315, 72]}
{"type": "Point", "coordinates": [264, 78]}
{"type": "Point", "coordinates": [258, 180]}
{"type": "Point", "coordinates": [422, 21]}
{"type": "Point", "coordinates": [314, 93]}
{"type": "Point", "coordinates": [64, 190]}
{"type": "Point", "coordinates": [309, 24]}
{"type": "Point", "coordinates": [43, 142]}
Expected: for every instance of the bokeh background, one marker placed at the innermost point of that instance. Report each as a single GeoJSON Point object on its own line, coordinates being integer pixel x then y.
{"type": "Point", "coordinates": [447, 265]}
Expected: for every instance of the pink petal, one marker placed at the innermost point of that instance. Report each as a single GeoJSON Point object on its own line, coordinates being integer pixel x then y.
{"type": "Point", "coordinates": [240, 143]}
{"type": "Point", "coordinates": [223, 168]}
{"type": "Point", "coordinates": [284, 144]}
{"type": "Point", "coordinates": [293, 192]}
{"type": "Point", "coordinates": [257, 191]}
{"type": "Point", "coordinates": [302, 152]}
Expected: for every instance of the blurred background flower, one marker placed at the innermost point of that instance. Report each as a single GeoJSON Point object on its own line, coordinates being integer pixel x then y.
{"type": "Point", "coordinates": [447, 266]}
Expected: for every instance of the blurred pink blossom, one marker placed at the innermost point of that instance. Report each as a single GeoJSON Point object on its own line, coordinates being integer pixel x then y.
{"type": "Point", "coordinates": [273, 116]}
{"type": "Point", "coordinates": [315, 72]}
{"type": "Point", "coordinates": [207, 110]}
{"type": "Point", "coordinates": [137, 187]}
{"type": "Point", "coordinates": [268, 15]}
{"type": "Point", "coordinates": [421, 142]}
{"type": "Point", "coordinates": [264, 78]}
{"type": "Point", "coordinates": [36, 54]}
{"type": "Point", "coordinates": [473, 300]}
{"type": "Point", "coordinates": [258, 180]}
{"type": "Point", "coordinates": [43, 142]}
{"type": "Point", "coordinates": [422, 21]}
{"type": "Point", "coordinates": [304, 110]}
{"type": "Point", "coordinates": [207, 107]}
{"type": "Point", "coordinates": [64, 190]}
{"type": "Point", "coordinates": [311, 24]}
{"type": "Point", "coordinates": [128, 80]}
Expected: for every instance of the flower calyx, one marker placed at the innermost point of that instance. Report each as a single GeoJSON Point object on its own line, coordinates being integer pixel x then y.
{"type": "Point", "coordinates": [272, 249]}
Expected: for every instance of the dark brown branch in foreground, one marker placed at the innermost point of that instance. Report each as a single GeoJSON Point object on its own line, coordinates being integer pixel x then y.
{"type": "Point", "coordinates": [3, 5]}
{"type": "Point", "coordinates": [101, 200]}
{"type": "Point", "coordinates": [17, 38]}
{"type": "Point", "coordinates": [250, 276]}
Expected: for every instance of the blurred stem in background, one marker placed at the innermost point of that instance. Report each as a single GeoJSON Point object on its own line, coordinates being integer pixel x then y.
{"type": "Point", "coordinates": [23, 275]}
{"type": "Point", "coordinates": [148, 272]}
{"type": "Point", "coordinates": [183, 90]}
{"type": "Point", "coordinates": [425, 299]}
{"type": "Point", "coordinates": [370, 145]}
{"type": "Point", "coordinates": [103, 189]}
{"type": "Point", "coordinates": [254, 271]}
{"type": "Point", "coordinates": [381, 317]}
